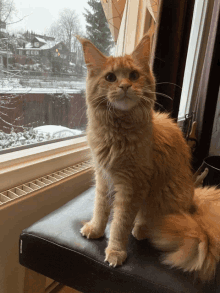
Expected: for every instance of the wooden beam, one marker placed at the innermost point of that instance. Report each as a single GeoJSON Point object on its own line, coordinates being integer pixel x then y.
{"type": "Point", "coordinates": [34, 282]}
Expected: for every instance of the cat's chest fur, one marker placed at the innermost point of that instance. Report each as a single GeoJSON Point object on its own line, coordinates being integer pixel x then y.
{"type": "Point", "coordinates": [118, 142]}
{"type": "Point", "coordinates": [121, 150]}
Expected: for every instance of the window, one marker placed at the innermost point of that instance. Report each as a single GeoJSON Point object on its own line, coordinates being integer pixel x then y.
{"type": "Point", "coordinates": [43, 93]}
{"type": "Point", "coordinates": [195, 46]}
{"type": "Point", "coordinates": [46, 95]}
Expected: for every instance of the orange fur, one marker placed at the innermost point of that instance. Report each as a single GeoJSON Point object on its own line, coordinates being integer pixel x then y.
{"type": "Point", "coordinates": [142, 161]}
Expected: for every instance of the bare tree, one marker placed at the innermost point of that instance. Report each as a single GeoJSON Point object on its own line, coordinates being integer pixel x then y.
{"type": "Point", "coordinates": [7, 9]}
{"type": "Point", "coordinates": [66, 27]}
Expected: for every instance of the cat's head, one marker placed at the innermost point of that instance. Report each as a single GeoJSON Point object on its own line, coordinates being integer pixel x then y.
{"type": "Point", "coordinates": [120, 82]}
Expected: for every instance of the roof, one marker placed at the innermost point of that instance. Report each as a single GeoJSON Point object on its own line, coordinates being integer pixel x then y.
{"type": "Point", "coordinates": [48, 45]}
{"type": "Point", "coordinates": [28, 45]}
{"type": "Point", "coordinates": [40, 40]}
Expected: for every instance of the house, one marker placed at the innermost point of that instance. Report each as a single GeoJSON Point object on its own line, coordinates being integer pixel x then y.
{"type": "Point", "coordinates": [45, 51]}
{"type": "Point", "coordinates": [30, 35]}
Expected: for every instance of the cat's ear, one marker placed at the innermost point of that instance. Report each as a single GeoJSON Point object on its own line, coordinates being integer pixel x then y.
{"type": "Point", "coordinates": [142, 52]}
{"type": "Point", "coordinates": [94, 59]}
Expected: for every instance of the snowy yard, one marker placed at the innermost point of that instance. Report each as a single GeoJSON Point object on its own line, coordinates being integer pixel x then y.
{"type": "Point", "coordinates": [41, 85]}
{"type": "Point", "coordinates": [35, 135]}
{"type": "Point", "coordinates": [20, 86]}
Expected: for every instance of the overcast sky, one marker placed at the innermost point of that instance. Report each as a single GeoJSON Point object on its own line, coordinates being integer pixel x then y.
{"type": "Point", "coordinates": [42, 13]}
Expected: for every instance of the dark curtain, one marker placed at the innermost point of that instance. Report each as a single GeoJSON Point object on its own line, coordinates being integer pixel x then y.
{"type": "Point", "coordinates": [208, 89]}
{"type": "Point", "coordinates": [172, 38]}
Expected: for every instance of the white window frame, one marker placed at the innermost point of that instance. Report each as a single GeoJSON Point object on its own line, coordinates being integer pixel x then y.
{"type": "Point", "coordinates": [25, 165]}
{"type": "Point", "coordinates": [19, 167]}
{"type": "Point", "coordinates": [194, 48]}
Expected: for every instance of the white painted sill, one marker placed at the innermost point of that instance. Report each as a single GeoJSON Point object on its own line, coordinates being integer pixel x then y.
{"type": "Point", "coordinates": [22, 166]}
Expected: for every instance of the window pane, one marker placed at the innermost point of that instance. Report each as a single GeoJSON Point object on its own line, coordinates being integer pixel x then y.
{"type": "Point", "coordinates": [43, 74]}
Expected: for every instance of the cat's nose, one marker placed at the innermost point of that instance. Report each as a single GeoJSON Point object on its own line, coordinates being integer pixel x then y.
{"type": "Point", "coordinates": [125, 86]}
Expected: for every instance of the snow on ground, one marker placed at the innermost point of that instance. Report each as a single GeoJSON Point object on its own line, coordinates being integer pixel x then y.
{"type": "Point", "coordinates": [35, 135]}
{"type": "Point", "coordinates": [46, 132]}
{"type": "Point", "coordinates": [57, 131]}
{"type": "Point", "coordinates": [20, 85]}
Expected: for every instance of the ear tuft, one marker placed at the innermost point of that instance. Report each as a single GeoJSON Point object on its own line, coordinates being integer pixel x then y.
{"type": "Point", "coordinates": [142, 52]}
{"type": "Point", "coordinates": [78, 37]}
{"type": "Point", "coordinates": [94, 59]}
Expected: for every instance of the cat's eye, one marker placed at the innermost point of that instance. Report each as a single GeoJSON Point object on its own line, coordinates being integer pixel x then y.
{"type": "Point", "coordinates": [111, 77]}
{"type": "Point", "coordinates": [134, 75]}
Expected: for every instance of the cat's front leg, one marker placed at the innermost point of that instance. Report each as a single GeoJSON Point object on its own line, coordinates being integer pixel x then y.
{"type": "Point", "coordinates": [126, 206]}
{"type": "Point", "coordinates": [96, 227]}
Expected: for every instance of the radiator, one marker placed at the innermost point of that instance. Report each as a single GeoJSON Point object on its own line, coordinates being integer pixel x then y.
{"type": "Point", "coordinates": [27, 203]}
{"type": "Point", "coordinates": [39, 183]}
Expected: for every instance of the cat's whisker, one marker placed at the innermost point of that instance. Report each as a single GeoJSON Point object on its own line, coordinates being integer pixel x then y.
{"type": "Point", "coordinates": [160, 94]}
{"type": "Point", "coordinates": [108, 112]}
{"type": "Point", "coordinates": [165, 82]}
{"type": "Point", "coordinates": [106, 116]}
{"type": "Point", "coordinates": [147, 100]}
{"type": "Point", "coordinates": [109, 107]}
{"type": "Point", "coordinates": [102, 100]}
{"type": "Point", "coordinates": [160, 105]}
{"type": "Point", "coordinates": [98, 97]}
{"type": "Point", "coordinates": [163, 95]}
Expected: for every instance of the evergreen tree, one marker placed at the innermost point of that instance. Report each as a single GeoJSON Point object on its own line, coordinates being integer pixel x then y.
{"type": "Point", "coordinates": [97, 28]}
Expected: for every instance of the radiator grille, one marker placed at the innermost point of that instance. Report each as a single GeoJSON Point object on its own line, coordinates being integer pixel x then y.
{"type": "Point", "coordinates": [36, 184]}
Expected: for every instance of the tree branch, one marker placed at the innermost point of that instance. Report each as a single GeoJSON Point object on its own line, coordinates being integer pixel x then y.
{"type": "Point", "coordinates": [18, 20]}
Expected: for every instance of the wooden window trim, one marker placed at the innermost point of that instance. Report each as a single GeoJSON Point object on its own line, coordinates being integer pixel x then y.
{"type": "Point", "coordinates": [25, 165]}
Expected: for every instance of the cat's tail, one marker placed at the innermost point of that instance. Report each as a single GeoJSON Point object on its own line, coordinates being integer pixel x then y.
{"type": "Point", "coordinates": [192, 241]}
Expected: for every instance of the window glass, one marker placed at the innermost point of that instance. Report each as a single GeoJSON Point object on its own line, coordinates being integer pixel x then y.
{"type": "Point", "coordinates": [43, 74]}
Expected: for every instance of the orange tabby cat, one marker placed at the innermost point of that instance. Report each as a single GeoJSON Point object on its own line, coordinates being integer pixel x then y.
{"type": "Point", "coordinates": [141, 157]}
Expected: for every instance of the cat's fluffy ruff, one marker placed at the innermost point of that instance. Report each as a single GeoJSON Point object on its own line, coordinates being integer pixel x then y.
{"type": "Point", "coordinates": [144, 156]}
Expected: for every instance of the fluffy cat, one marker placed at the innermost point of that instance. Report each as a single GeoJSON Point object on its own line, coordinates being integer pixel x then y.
{"type": "Point", "coordinates": [142, 160]}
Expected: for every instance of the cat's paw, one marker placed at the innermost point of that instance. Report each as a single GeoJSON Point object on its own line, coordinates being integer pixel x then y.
{"type": "Point", "coordinates": [115, 257]}
{"type": "Point", "coordinates": [140, 232]}
{"type": "Point", "coordinates": [90, 231]}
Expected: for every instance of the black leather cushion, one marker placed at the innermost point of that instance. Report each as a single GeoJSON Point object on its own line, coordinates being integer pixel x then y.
{"type": "Point", "coordinates": [55, 248]}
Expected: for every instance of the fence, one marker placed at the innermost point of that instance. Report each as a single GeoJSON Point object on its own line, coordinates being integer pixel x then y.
{"type": "Point", "coordinates": [32, 110]}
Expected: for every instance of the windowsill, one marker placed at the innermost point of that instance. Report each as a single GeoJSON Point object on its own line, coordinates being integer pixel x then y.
{"type": "Point", "coordinates": [25, 165]}
{"type": "Point", "coordinates": [31, 90]}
